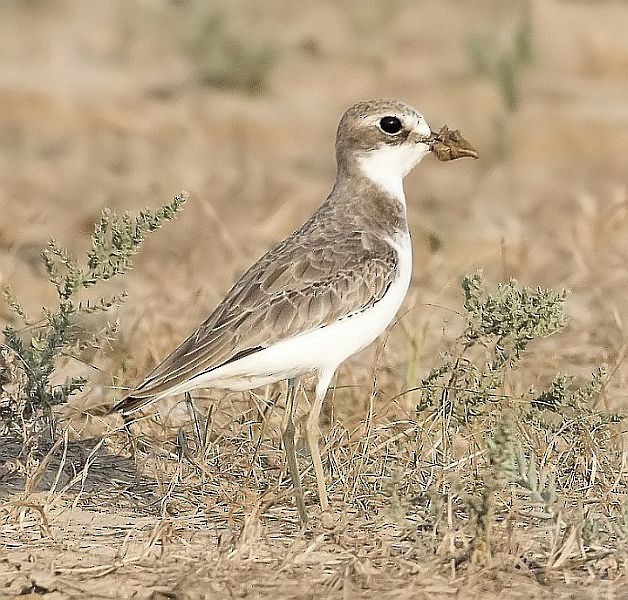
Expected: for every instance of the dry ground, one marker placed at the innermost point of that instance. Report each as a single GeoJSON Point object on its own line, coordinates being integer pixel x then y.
{"type": "Point", "coordinates": [102, 104]}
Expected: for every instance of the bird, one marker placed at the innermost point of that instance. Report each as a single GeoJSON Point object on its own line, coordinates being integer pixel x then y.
{"type": "Point", "coordinates": [322, 294]}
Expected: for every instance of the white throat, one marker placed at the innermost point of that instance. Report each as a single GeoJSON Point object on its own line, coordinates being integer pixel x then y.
{"type": "Point", "coordinates": [387, 166]}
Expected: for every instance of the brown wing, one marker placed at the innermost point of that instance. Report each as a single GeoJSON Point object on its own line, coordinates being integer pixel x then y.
{"type": "Point", "coordinates": [301, 284]}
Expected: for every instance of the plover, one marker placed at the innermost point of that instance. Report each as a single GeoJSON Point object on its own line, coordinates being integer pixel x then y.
{"type": "Point", "coordinates": [323, 293]}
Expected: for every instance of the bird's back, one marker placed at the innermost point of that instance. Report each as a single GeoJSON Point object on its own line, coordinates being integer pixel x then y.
{"type": "Point", "coordinates": [332, 267]}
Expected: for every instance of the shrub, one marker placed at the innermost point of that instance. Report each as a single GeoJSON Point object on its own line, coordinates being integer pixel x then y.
{"type": "Point", "coordinates": [32, 352]}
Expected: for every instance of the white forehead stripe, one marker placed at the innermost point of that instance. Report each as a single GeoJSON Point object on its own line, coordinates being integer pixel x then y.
{"type": "Point", "coordinates": [423, 128]}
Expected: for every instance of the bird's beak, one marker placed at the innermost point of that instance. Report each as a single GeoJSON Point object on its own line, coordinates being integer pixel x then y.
{"type": "Point", "coordinates": [450, 145]}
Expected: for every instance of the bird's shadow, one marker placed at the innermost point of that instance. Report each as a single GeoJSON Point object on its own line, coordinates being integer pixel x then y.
{"type": "Point", "coordinates": [86, 470]}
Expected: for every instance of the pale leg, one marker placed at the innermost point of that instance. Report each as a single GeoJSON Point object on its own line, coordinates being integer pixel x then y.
{"type": "Point", "coordinates": [313, 434]}
{"type": "Point", "coordinates": [291, 455]}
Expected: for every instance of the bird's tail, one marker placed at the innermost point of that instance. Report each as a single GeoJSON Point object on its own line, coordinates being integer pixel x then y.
{"type": "Point", "coordinates": [131, 404]}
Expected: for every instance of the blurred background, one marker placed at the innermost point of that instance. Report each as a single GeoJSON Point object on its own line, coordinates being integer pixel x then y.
{"type": "Point", "coordinates": [124, 103]}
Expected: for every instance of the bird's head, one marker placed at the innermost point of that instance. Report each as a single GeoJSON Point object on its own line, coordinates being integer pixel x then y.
{"type": "Point", "coordinates": [383, 140]}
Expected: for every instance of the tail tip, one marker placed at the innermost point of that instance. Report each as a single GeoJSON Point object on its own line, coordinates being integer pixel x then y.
{"type": "Point", "coordinates": [128, 405]}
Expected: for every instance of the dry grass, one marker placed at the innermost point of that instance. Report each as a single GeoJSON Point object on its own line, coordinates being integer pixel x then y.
{"type": "Point", "coordinates": [106, 107]}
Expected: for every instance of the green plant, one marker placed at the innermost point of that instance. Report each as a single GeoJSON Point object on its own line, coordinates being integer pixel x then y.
{"type": "Point", "coordinates": [499, 327]}
{"type": "Point", "coordinates": [500, 62]}
{"type": "Point", "coordinates": [31, 353]}
{"type": "Point", "coordinates": [500, 458]}
{"type": "Point", "coordinates": [373, 23]}
{"type": "Point", "coordinates": [226, 53]}
{"type": "Point", "coordinates": [503, 64]}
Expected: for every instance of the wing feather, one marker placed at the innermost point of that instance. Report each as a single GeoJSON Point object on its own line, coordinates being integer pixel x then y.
{"type": "Point", "coordinates": [297, 286]}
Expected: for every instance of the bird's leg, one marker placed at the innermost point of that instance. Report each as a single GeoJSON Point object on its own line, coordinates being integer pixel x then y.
{"type": "Point", "coordinates": [189, 403]}
{"type": "Point", "coordinates": [313, 434]}
{"type": "Point", "coordinates": [291, 455]}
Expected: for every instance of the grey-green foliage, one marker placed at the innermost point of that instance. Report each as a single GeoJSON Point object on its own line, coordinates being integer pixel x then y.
{"type": "Point", "coordinates": [511, 456]}
{"type": "Point", "coordinates": [621, 523]}
{"type": "Point", "coordinates": [503, 62]}
{"type": "Point", "coordinates": [373, 22]}
{"type": "Point", "coordinates": [468, 407]}
{"type": "Point", "coordinates": [500, 55]}
{"type": "Point", "coordinates": [508, 466]}
{"type": "Point", "coordinates": [568, 412]}
{"type": "Point", "coordinates": [510, 318]}
{"type": "Point", "coordinates": [499, 326]}
{"type": "Point", "coordinates": [229, 52]}
{"type": "Point", "coordinates": [41, 342]}
{"type": "Point", "coordinates": [509, 461]}
{"type": "Point", "coordinates": [564, 394]}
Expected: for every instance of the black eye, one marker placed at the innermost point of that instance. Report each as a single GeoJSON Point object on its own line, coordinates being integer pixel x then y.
{"type": "Point", "coordinates": [390, 125]}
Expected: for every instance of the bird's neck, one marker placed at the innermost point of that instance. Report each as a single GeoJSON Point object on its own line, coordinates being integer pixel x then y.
{"type": "Point", "coordinates": [374, 202]}
{"type": "Point", "coordinates": [387, 177]}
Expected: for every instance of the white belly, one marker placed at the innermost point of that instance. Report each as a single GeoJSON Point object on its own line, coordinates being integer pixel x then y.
{"type": "Point", "coordinates": [321, 349]}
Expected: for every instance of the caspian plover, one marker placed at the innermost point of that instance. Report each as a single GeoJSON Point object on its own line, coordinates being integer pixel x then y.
{"type": "Point", "coordinates": [322, 294]}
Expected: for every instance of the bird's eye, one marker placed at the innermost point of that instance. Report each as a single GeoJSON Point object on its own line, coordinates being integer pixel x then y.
{"type": "Point", "coordinates": [390, 125]}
